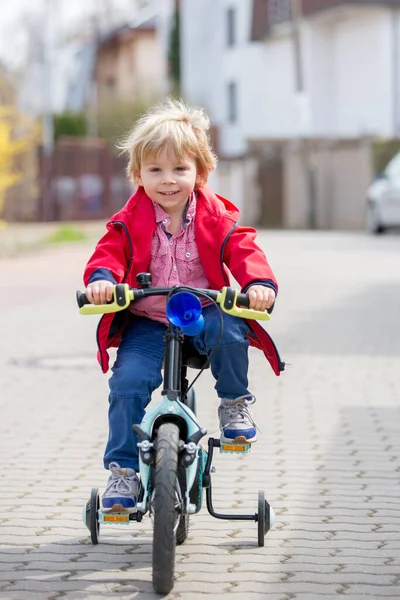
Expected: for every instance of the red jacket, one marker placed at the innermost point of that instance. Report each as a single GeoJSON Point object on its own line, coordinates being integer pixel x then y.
{"type": "Point", "coordinates": [125, 250]}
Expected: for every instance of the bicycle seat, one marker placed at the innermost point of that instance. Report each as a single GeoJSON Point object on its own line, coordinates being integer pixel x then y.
{"type": "Point", "coordinates": [192, 358]}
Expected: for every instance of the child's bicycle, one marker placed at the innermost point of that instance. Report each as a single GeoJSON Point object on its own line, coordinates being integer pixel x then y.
{"type": "Point", "coordinates": [174, 468]}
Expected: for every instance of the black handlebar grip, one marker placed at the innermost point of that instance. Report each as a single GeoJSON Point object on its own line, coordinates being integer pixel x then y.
{"type": "Point", "coordinates": [243, 300]}
{"type": "Point", "coordinates": [81, 299]}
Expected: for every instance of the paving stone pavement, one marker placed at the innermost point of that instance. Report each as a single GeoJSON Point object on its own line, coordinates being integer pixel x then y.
{"type": "Point", "coordinates": [328, 454]}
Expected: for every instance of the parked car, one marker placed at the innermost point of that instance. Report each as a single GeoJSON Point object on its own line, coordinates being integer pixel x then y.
{"type": "Point", "coordinates": [383, 199]}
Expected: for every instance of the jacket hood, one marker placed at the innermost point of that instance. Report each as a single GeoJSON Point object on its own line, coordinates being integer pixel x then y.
{"type": "Point", "coordinates": [217, 205]}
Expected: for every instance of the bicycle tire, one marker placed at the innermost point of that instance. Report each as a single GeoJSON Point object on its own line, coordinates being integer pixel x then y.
{"type": "Point", "coordinates": [165, 473]}
{"type": "Point", "coordinates": [261, 520]}
{"type": "Point", "coordinates": [190, 400]}
{"type": "Point", "coordinates": [94, 520]}
{"type": "Point", "coordinates": [183, 527]}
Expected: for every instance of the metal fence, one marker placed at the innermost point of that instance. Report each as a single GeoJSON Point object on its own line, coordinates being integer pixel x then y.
{"type": "Point", "coordinates": [83, 180]}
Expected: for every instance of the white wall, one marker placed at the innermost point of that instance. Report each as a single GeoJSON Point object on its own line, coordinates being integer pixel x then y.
{"type": "Point", "coordinates": [209, 65]}
{"type": "Point", "coordinates": [264, 74]}
{"type": "Point", "coordinates": [358, 87]}
{"type": "Point", "coordinates": [318, 54]}
{"type": "Point", "coordinates": [347, 60]}
{"type": "Point", "coordinates": [241, 64]}
{"type": "Point", "coordinates": [273, 113]}
{"type": "Point", "coordinates": [201, 61]}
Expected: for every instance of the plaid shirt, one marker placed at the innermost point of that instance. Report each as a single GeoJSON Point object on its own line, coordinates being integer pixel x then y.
{"type": "Point", "coordinates": [174, 261]}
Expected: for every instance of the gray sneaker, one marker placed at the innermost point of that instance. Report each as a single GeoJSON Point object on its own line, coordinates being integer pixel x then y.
{"type": "Point", "coordinates": [236, 421]}
{"type": "Point", "coordinates": [121, 490]}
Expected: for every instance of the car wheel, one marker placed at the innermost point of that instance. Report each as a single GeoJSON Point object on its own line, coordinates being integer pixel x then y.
{"type": "Point", "coordinates": [373, 220]}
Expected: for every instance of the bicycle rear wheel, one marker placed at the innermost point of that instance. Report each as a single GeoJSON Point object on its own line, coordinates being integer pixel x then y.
{"type": "Point", "coordinates": [190, 400]}
{"type": "Point", "coordinates": [183, 527]}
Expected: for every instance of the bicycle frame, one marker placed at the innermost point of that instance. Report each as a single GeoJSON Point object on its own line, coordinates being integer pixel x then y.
{"type": "Point", "coordinates": [171, 408]}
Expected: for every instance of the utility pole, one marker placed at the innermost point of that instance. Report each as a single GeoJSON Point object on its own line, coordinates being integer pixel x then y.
{"type": "Point", "coordinates": [48, 129]}
{"type": "Point", "coordinates": [48, 212]}
{"type": "Point", "coordinates": [303, 112]}
{"type": "Point", "coordinates": [93, 100]}
{"type": "Point", "coordinates": [102, 20]}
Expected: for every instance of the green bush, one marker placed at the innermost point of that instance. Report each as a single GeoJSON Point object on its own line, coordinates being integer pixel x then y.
{"type": "Point", "coordinates": [174, 54]}
{"type": "Point", "coordinates": [69, 124]}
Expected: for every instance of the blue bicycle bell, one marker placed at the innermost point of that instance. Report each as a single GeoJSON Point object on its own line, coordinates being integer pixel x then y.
{"type": "Point", "coordinates": [184, 311]}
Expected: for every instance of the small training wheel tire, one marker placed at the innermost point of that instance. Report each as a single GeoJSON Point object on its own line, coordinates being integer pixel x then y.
{"type": "Point", "coordinates": [262, 517]}
{"type": "Point", "coordinates": [94, 517]}
{"type": "Point", "coordinates": [268, 517]}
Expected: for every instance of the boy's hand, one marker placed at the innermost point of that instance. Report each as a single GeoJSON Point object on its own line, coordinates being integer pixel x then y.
{"type": "Point", "coordinates": [100, 292]}
{"type": "Point", "coordinates": [261, 297]}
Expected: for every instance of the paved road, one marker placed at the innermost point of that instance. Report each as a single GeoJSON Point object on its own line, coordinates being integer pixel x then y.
{"type": "Point", "coordinates": [328, 454]}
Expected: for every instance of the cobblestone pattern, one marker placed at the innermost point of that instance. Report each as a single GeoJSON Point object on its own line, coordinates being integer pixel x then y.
{"type": "Point", "coordinates": [328, 454]}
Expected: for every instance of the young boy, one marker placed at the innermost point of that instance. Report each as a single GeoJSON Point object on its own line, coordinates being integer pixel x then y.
{"type": "Point", "coordinates": [182, 233]}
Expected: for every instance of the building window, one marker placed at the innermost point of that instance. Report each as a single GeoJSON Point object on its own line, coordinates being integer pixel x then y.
{"type": "Point", "coordinates": [279, 11]}
{"type": "Point", "coordinates": [232, 102]}
{"type": "Point", "coordinates": [231, 26]}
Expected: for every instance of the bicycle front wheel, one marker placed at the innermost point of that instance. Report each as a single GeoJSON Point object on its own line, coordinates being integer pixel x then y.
{"type": "Point", "coordinates": [165, 507]}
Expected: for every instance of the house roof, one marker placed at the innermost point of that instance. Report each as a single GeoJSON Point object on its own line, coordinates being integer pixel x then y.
{"type": "Point", "coordinates": [116, 33]}
{"type": "Point", "coordinates": [266, 13]}
{"type": "Point", "coordinates": [82, 63]}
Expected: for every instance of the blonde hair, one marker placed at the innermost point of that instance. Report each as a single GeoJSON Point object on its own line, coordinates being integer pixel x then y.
{"type": "Point", "coordinates": [175, 125]}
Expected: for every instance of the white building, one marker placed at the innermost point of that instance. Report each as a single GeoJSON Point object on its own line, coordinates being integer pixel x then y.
{"type": "Point", "coordinates": [350, 63]}
{"type": "Point", "coordinates": [239, 61]}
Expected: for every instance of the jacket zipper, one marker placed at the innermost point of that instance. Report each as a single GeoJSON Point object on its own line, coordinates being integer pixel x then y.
{"type": "Point", "coordinates": [281, 364]}
{"type": "Point", "coordinates": [221, 254]}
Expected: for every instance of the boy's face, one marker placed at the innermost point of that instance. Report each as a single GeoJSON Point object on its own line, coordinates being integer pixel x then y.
{"type": "Point", "coordinates": [169, 181]}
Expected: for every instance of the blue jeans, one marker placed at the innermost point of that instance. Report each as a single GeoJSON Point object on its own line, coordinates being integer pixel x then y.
{"type": "Point", "coordinates": [136, 373]}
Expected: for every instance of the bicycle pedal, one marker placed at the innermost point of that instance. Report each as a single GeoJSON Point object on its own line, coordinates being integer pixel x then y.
{"type": "Point", "coordinates": [114, 518]}
{"type": "Point", "coordinates": [234, 448]}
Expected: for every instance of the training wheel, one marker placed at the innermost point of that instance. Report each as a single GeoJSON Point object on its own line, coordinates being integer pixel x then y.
{"type": "Point", "coordinates": [265, 517]}
{"type": "Point", "coordinates": [92, 518]}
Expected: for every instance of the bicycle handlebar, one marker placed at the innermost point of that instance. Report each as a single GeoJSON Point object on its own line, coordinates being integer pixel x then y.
{"type": "Point", "coordinates": [228, 298]}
